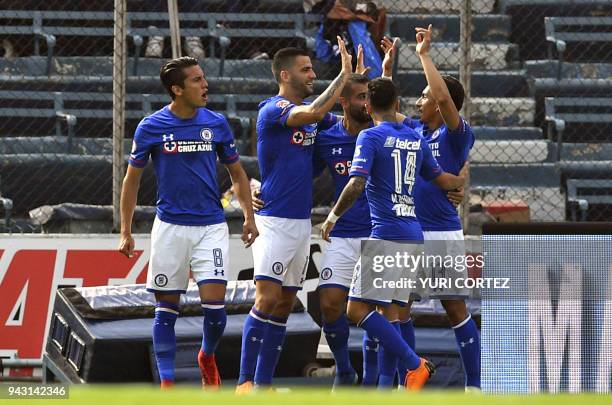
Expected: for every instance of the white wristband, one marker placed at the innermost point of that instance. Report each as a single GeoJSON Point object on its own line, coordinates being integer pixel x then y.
{"type": "Point", "coordinates": [332, 217]}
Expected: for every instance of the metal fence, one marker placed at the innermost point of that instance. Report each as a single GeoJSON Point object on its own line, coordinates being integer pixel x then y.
{"type": "Point", "coordinates": [540, 75]}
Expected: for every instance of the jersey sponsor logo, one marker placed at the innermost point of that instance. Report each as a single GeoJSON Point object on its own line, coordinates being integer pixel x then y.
{"type": "Point", "coordinates": [336, 151]}
{"type": "Point", "coordinates": [277, 268]}
{"type": "Point", "coordinates": [390, 142]}
{"type": "Point", "coordinates": [167, 138]}
{"type": "Point", "coordinates": [194, 146]}
{"type": "Point", "coordinates": [170, 147]}
{"type": "Point", "coordinates": [326, 273]}
{"type": "Point", "coordinates": [342, 167]}
{"type": "Point", "coordinates": [161, 280]}
{"type": "Point", "coordinates": [282, 103]}
{"type": "Point", "coordinates": [408, 145]}
{"type": "Point", "coordinates": [206, 134]}
{"type": "Point", "coordinates": [297, 138]}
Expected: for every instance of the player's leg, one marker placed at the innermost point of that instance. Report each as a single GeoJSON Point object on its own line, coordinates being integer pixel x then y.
{"type": "Point", "coordinates": [274, 338]}
{"type": "Point", "coordinates": [362, 311]}
{"type": "Point", "coordinates": [334, 283]}
{"type": "Point", "coordinates": [387, 362]}
{"type": "Point", "coordinates": [270, 260]}
{"type": "Point", "coordinates": [167, 278]}
{"type": "Point", "coordinates": [297, 247]}
{"type": "Point", "coordinates": [209, 266]}
{"type": "Point", "coordinates": [407, 332]}
{"type": "Point", "coordinates": [468, 339]}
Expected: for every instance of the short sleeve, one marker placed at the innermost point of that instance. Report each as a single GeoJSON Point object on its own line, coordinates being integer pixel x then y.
{"type": "Point", "coordinates": [141, 148]}
{"type": "Point", "coordinates": [363, 158]}
{"type": "Point", "coordinates": [430, 169]}
{"type": "Point", "coordinates": [226, 148]}
{"type": "Point", "coordinates": [327, 122]}
{"type": "Point", "coordinates": [462, 138]}
{"type": "Point", "coordinates": [278, 111]}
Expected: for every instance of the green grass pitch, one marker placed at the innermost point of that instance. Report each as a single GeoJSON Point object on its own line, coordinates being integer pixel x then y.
{"type": "Point", "coordinates": [147, 395]}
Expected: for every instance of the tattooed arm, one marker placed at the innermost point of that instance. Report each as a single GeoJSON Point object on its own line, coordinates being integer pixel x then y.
{"type": "Point", "coordinates": [349, 195]}
{"type": "Point", "coordinates": [315, 112]}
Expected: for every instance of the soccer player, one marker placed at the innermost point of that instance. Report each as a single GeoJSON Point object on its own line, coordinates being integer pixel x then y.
{"type": "Point", "coordinates": [184, 140]}
{"type": "Point", "coordinates": [389, 155]}
{"type": "Point", "coordinates": [286, 129]}
{"type": "Point", "coordinates": [450, 136]}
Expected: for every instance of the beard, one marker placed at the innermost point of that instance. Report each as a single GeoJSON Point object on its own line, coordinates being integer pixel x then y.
{"type": "Point", "coordinates": [360, 115]}
{"type": "Point", "coordinates": [303, 89]}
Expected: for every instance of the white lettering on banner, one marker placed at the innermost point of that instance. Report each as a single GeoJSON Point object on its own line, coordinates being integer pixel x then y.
{"type": "Point", "coordinates": [565, 328]}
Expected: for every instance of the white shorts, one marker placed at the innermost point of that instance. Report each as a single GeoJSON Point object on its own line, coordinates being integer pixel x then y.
{"type": "Point", "coordinates": [281, 251]}
{"type": "Point", "coordinates": [362, 289]}
{"type": "Point", "coordinates": [443, 244]}
{"type": "Point", "coordinates": [341, 256]}
{"type": "Point", "coordinates": [175, 249]}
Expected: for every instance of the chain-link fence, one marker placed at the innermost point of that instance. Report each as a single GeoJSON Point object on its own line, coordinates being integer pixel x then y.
{"type": "Point", "coordinates": [541, 79]}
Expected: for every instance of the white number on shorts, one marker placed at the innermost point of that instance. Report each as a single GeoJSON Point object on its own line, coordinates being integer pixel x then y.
{"type": "Point", "coordinates": [218, 257]}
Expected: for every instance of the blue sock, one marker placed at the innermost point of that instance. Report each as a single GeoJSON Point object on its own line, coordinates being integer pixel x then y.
{"type": "Point", "coordinates": [407, 332]}
{"type": "Point", "coordinates": [215, 319]}
{"type": "Point", "coordinates": [270, 350]}
{"type": "Point", "coordinates": [164, 339]}
{"type": "Point", "coordinates": [468, 340]}
{"type": "Point", "coordinates": [337, 335]}
{"type": "Point", "coordinates": [376, 324]}
{"type": "Point", "coordinates": [252, 336]}
{"type": "Point", "coordinates": [370, 360]}
{"type": "Point", "coordinates": [387, 364]}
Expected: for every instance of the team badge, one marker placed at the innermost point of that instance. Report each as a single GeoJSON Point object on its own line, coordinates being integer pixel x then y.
{"type": "Point", "coordinates": [206, 134]}
{"type": "Point", "coordinates": [282, 103]}
{"type": "Point", "coordinates": [277, 268]}
{"type": "Point", "coordinates": [435, 135]}
{"type": "Point", "coordinates": [161, 280]}
{"type": "Point", "coordinates": [297, 138]}
{"type": "Point", "coordinates": [326, 273]}
{"type": "Point", "coordinates": [170, 147]}
{"type": "Point", "coordinates": [340, 168]}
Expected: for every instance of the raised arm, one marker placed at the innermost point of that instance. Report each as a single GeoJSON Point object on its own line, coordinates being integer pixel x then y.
{"type": "Point", "coordinates": [315, 112]}
{"type": "Point", "coordinates": [349, 195]}
{"type": "Point", "coordinates": [240, 182]}
{"type": "Point", "coordinates": [437, 87]}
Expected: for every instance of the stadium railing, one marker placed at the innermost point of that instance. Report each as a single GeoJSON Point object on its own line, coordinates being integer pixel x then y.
{"type": "Point", "coordinates": [561, 30]}
{"type": "Point", "coordinates": [49, 24]}
{"type": "Point", "coordinates": [556, 121]}
{"type": "Point", "coordinates": [584, 192]}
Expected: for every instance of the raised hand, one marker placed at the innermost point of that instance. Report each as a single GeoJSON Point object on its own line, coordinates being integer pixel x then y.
{"type": "Point", "coordinates": [423, 38]}
{"type": "Point", "coordinates": [389, 48]}
{"type": "Point", "coordinates": [360, 67]}
{"type": "Point", "coordinates": [347, 59]}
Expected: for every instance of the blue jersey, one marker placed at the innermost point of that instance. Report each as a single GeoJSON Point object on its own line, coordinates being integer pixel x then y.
{"type": "Point", "coordinates": [184, 153]}
{"type": "Point", "coordinates": [450, 148]}
{"type": "Point", "coordinates": [391, 155]}
{"type": "Point", "coordinates": [335, 148]}
{"type": "Point", "coordinates": [285, 160]}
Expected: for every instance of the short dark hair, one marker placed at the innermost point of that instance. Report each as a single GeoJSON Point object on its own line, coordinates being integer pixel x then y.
{"type": "Point", "coordinates": [382, 94]}
{"type": "Point", "coordinates": [354, 78]}
{"type": "Point", "coordinates": [172, 74]}
{"type": "Point", "coordinates": [455, 88]}
{"type": "Point", "coordinates": [284, 58]}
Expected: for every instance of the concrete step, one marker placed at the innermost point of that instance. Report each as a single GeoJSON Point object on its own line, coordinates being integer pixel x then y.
{"type": "Point", "coordinates": [492, 111]}
{"type": "Point", "coordinates": [515, 175]}
{"type": "Point", "coordinates": [512, 152]}
{"type": "Point", "coordinates": [486, 28]}
{"type": "Point", "coordinates": [485, 56]}
{"type": "Point", "coordinates": [435, 6]}
{"type": "Point", "coordinates": [484, 133]}
{"type": "Point", "coordinates": [497, 83]}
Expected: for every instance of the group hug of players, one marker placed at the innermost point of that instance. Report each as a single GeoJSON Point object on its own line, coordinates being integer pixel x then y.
{"type": "Point", "coordinates": [410, 193]}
